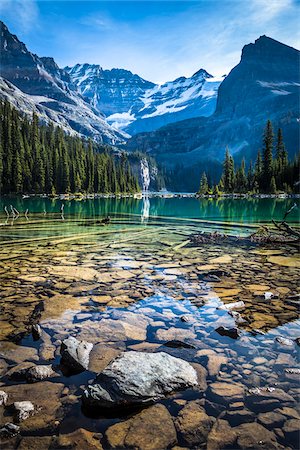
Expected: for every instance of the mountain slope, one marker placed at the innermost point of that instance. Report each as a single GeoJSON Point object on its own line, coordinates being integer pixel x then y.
{"type": "Point", "coordinates": [41, 82]}
{"type": "Point", "coordinates": [264, 85]}
{"type": "Point", "coordinates": [134, 104]}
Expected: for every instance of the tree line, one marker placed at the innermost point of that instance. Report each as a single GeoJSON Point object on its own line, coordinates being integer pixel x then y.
{"type": "Point", "coordinates": [37, 158]}
{"type": "Point", "coordinates": [272, 171]}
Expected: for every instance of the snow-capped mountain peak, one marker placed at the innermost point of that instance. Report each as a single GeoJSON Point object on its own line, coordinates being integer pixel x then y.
{"type": "Point", "coordinates": [134, 104]}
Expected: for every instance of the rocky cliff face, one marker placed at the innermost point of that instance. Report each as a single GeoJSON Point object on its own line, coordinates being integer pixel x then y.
{"type": "Point", "coordinates": [133, 104]}
{"type": "Point", "coordinates": [110, 91]}
{"type": "Point", "coordinates": [30, 80]}
{"type": "Point", "coordinates": [264, 85]}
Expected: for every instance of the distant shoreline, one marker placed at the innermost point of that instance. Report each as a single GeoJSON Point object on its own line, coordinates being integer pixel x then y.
{"type": "Point", "coordinates": [140, 196]}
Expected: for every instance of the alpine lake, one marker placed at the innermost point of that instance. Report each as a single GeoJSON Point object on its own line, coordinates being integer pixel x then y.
{"type": "Point", "coordinates": [138, 284]}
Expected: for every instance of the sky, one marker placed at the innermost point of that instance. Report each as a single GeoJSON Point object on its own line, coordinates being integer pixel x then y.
{"type": "Point", "coordinates": [159, 40]}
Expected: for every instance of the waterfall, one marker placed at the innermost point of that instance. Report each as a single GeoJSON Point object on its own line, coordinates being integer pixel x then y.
{"type": "Point", "coordinates": [145, 175]}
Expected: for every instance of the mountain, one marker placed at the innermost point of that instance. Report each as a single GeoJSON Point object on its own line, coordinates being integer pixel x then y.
{"type": "Point", "coordinates": [110, 91]}
{"type": "Point", "coordinates": [37, 83]}
{"type": "Point", "coordinates": [264, 85]}
{"type": "Point", "coordinates": [133, 104]}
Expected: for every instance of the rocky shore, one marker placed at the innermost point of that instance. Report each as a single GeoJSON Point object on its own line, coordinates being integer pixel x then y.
{"type": "Point", "coordinates": [144, 345]}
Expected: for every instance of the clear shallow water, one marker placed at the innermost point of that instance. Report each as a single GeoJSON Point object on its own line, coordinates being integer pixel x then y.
{"type": "Point", "coordinates": [227, 210]}
{"type": "Point", "coordinates": [126, 286]}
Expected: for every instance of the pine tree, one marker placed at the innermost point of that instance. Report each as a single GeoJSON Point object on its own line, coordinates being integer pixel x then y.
{"type": "Point", "coordinates": [203, 190]}
{"type": "Point", "coordinates": [267, 157]}
{"type": "Point", "coordinates": [228, 172]}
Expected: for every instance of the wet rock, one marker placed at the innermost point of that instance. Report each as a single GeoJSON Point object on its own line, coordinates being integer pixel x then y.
{"type": "Point", "coordinates": [284, 359]}
{"type": "Point", "coordinates": [239, 320]}
{"type": "Point", "coordinates": [193, 424]}
{"type": "Point", "coordinates": [268, 398]}
{"type": "Point", "coordinates": [255, 436]}
{"type": "Point", "coordinates": [151, 429]}
{"type": "Point", "coordinates": [284, 341]}
{"type": "Point", "coordinates": [214, 364]}
{"type": "Point", "coordinates": [80, 439]}
{"type": "Point", "coordinates": [75, 354]}
{"type": "Point", "coordinates": [139, 378]}
{"type": "Point", "coordinates": [233, 333]}
{"type": "Point", "coordinates": [35, 443]}
{"type": "Point", "coordinates": [238, 416]}
{"type": "Point", "coordinates": [178, 344]}
{"type": "Point", "coordinates": [101, 355]}
{"type": "Point", "coordinates": [271, 419]}
{"type": "Point", "coordinates": [211, 278]}
{"type": "Point", "coordinates": [221, 436]}
{"type": "Point", "coordinates": [18, 373]}
{"type": "Point", "coordinates": [23, 410]}
{"type": "Point", "coordinates": [291, 430]}
{"type": "Point", "coordinates": [9, 430]}
{"type": "Point", "coordinates": [232, 306]}
{"type": "Point", "coordinates": [226, 393]}
{"type": "Point", "coordinates": [3, 398]}
{"type": "Point", "coordinates": [36, 332]}
{"type": "Point", "coordinates": [184, 319]}
{"type": "Point", "coordinates": [38, 373]}
{"type": "Point", "coordinates": [46, 398]}
{"type": "Point", "coordinates": [174, 334]}
{"type": "Point", "coordinates": [201, 376]}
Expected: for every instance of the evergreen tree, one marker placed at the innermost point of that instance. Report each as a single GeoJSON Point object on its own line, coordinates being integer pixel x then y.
{"type": "Point", "coordinates": [38, 158]}
{"type": "Point", "coordinates": [267, 157]}
{"type": "Point", "coordinates": [203, 184]}
{"type": "Point", "coordinates": [228, 172]}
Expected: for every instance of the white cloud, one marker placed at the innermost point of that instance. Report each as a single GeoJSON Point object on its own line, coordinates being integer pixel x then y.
{"type": "Point", "coordinates": [23, 14]}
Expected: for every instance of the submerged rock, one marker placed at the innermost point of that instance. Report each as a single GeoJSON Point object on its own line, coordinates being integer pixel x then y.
{"type": "Point", "coordinates": [194, 424]}
{"type": "Point", "coordinates": [151, 429]}
{"type": "Point", "coordinates": [23, 410]}
{"type": "Point", "coordinates": [226, 393]}
{"type": "Point", "coordinates": [178, 344]}
{"type": "Point", "coordinates": [221, 436]}
{"type": "Point", "coordinates": [284, 341]}
{"type": "Point", "coordinates": [75, 354]}
{"type": "Point", "coordinates": [255, 436]}
{"type": "Point", "coordinates": [267, 398]}
{"type": "Point", "coordinates": [139, 378]}
{"type": "Point", "coordinates": [9, 430]}
{"type": "Point", "coordinates": [233, 333]}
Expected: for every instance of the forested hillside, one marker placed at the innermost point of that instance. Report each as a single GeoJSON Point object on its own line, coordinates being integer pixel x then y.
{"type": "Point", "coordinates": [37, 158]}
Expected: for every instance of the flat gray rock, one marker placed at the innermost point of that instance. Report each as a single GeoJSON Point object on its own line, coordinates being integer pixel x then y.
{"type": "Point", "coordinates": [139, 378]}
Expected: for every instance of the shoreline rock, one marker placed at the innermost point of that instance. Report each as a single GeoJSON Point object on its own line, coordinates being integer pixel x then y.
{"type": "Point", "coordinates": [136, 378]}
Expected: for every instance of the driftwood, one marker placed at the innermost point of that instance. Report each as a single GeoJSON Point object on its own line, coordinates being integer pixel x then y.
{"type": "Point", "coordinates": [282, 233]}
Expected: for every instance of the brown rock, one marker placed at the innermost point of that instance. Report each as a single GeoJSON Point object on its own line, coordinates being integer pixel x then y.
{"type": "Point", "coordinates": [255, 436]}
{"type": "Point", "coordinates": [291, 430]}
{"type": "Point", "coordinates": [226, 393]}
{"type": "Point", "coordinates": [45, 396]}
{"type": "Point", "coordinates": [271, 419]}
{"type": "Point", "coordinates": [221, 435]}
{"type": "Point", "coordinates": [151, 429]}
{"type": "Point", "coordinates": [202, 375]}
{"type": "Point", "coordinates": [35, 443]}
{"type": "Point", "coordinates": [215, 362]}
{"type": "Point", "coordinates": [193, 424]}
{"type": "Point", "coordinates": [80, 439]}
{"type": "Point", "coordinates": [100, 357]}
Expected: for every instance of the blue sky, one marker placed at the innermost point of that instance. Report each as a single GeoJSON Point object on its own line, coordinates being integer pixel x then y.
{"type": "Point", "coordinates": [159, 40]}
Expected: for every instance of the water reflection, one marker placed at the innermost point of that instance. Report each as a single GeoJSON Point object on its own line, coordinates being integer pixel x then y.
{"type": "Point", "coordinates": [145, 209]}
